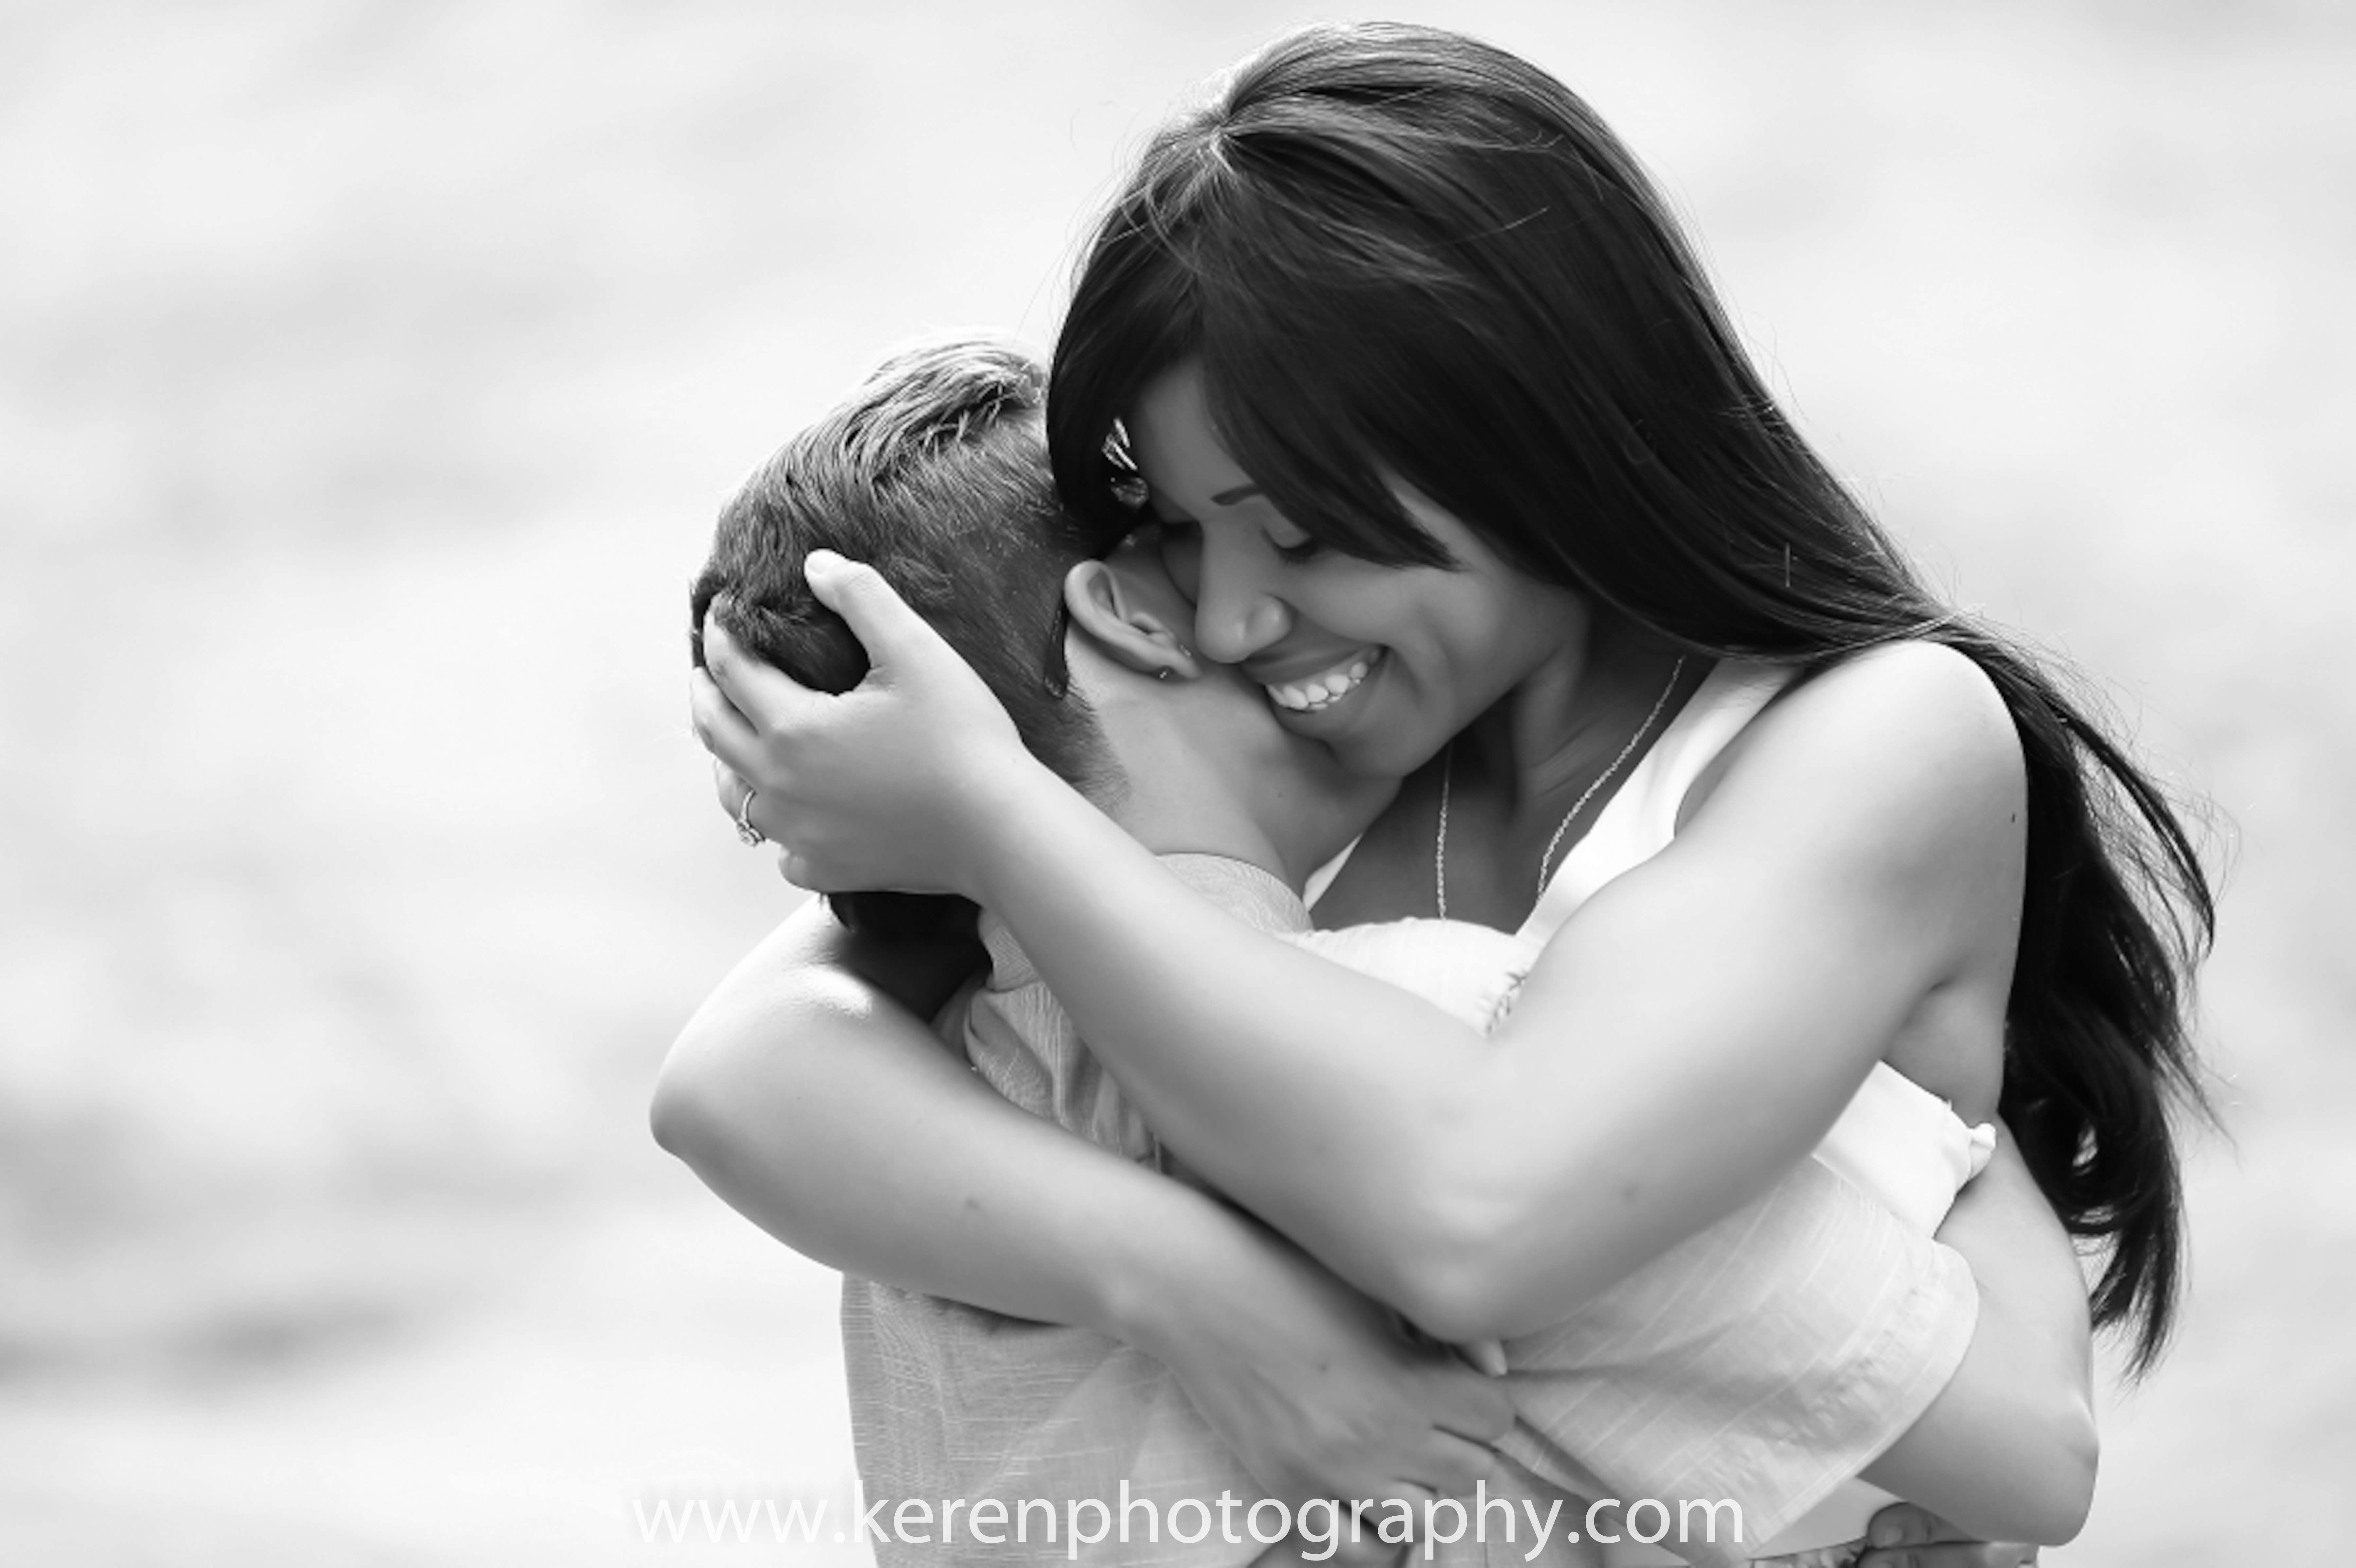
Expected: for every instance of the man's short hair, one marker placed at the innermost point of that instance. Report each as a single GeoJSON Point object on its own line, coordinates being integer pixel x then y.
{"type": "Point", "coordinates": [934, 472]}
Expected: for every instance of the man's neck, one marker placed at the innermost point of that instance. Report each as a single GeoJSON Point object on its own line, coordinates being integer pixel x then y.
{"type": "Point", "coordinates": [1174, 804]}
{"type": "Point", "coordinates": [1206, 770]}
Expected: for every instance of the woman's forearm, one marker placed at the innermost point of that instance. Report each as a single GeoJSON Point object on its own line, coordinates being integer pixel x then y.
{"type": "Point", "coordinates": [1484, 1186]}
{"type": "Point", "coordinates": [1729, 994]}
{"type": "Point", "coordinates": [835, 1119]}
{"type": "Point", "coordinates": [2008, 1451]}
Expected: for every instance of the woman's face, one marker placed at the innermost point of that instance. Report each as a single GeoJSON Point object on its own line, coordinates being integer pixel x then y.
{"type": "Point", "coordinates": [1210, 739]}
{"type": "Point", "coordinates": [1383, 664]}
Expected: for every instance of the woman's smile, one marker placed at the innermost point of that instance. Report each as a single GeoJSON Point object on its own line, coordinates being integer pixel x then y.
{"type": "Point", "coordinates": [1320, 690]}
{"type": "Point", "coordinates": [1381, 663]}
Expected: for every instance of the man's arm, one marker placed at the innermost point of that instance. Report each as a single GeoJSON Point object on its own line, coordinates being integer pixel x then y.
{"type": "Point", "coordinates": [2009, 1448]}
{"type": "Point", "coordinates": [810, 1094]}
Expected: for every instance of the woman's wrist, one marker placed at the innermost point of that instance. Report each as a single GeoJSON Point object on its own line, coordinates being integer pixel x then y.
{"type": "Point", "coordinates": [1007, 808]}
{"type": "Point", "coordinates": [1140, 1297]}
{"type": "Point", "coordinates": [1149, 1292]}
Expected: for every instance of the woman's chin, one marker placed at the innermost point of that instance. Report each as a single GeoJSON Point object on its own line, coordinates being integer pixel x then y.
{"type": "Point", "coordinates": [1364, 730]}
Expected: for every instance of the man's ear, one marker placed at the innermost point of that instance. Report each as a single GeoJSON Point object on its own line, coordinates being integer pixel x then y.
{"type": "Point", "coordinates": [1119, 622]}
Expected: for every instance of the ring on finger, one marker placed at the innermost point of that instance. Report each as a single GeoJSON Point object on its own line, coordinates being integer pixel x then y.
{"type": "Point", "coordinates": [749, 836]}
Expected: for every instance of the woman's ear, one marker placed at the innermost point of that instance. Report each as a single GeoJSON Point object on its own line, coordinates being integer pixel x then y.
{"type": "Point", "coordinates": [1119, 621]}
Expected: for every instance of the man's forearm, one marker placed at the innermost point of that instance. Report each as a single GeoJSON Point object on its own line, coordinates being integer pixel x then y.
{"type": "Point", "coordinates": [2008, 1449]}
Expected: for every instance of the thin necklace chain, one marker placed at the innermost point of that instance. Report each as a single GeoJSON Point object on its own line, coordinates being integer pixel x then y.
{"type": "Point", "coordinates": [1546, 861]}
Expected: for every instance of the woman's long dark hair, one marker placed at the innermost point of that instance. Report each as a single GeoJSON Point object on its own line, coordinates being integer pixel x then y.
{"type": "Point", "coordinates": [1401, 254]}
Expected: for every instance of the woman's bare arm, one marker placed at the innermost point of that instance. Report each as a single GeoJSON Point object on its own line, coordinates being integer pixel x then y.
{"type": "Point", "coordinates": [820, 1107]}
{"type": "Point", "coordinates": [1729, 994]}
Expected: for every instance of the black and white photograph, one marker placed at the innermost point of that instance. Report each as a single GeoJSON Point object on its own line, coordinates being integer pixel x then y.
{"type": "Point", "coordinates": [1224, 785]}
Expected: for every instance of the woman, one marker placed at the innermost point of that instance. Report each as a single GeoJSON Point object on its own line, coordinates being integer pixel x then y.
{"type": "Point", "coordinates": [1460, 462]}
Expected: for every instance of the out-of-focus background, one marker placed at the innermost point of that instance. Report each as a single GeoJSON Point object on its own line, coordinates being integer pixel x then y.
{"type": "Point", "coordinates": [369, 374]}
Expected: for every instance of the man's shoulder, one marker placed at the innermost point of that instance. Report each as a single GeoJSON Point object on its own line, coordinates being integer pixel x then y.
{"type": "Point", "coordinates": [1251, 893]}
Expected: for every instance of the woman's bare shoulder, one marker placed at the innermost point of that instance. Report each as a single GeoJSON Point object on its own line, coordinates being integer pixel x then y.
{"type": "Point", "coordinates": [1885, 796]}
{"type": "Point", "coordinates": [1902, 760]}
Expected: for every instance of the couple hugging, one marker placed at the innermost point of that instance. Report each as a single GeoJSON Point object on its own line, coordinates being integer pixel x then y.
{"type": "Point", "coordinates": [1683, 1131]}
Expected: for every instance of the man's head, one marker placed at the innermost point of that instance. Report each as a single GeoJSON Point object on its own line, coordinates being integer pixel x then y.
{"type": "Point", "coordinates": [934, 473]}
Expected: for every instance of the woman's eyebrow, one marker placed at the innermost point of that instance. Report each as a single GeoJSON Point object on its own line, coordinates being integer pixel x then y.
{"type": "Point", "coordinates": [1240, 493]}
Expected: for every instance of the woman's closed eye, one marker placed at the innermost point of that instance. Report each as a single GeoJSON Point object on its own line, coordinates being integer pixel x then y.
{"type": "Point", "coordinates": [1292, 544]}
{"type": "Point", "coordinates": [1180, 540]}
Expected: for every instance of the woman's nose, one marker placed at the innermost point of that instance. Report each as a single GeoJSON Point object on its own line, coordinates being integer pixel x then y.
{"type": "Point", "coordinates": [1236, 618]}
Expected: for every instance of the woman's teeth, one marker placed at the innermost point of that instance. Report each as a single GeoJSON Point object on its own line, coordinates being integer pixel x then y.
{"type": "Point", "coordinates": [1318, 692]}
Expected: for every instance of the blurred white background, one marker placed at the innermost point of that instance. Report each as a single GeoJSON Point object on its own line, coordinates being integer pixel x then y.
{"type": "Point", "coordinates": [368, 375]}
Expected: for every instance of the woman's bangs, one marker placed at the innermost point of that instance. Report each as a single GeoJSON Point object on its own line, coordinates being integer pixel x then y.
{"type": "Point", "coordinates": [1294, 384]}
{"type": "Point", "coordinates": [1313, 459]}
{"type": "Point", "coordinates": [1133, 318]}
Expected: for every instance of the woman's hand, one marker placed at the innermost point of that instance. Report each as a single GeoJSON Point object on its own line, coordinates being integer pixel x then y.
{"type": "Point", "coordinates": [1316, 1388]}
{"type": "Point", "coordinates": [878, 787]}
{"type": "Point", "coordinates": [1904, 1536]}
